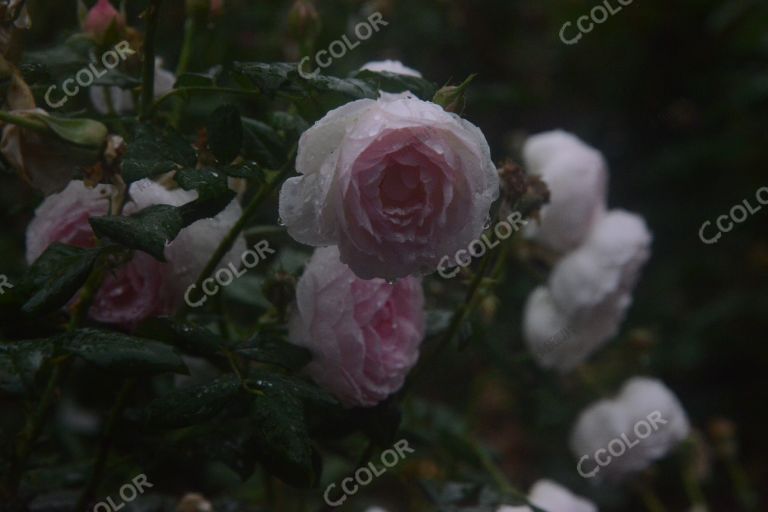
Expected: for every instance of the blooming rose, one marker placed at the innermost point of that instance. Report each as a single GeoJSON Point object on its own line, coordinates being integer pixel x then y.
{"type": "Point", "coordinates": [605, 267]}
{"type": "Point", "coordinates": [642, 402]}
{"type": "Point", "coordinates": [397, 183]}
{"type": "Point", "coordinates": [552, 497]}
{"type": "Point", "coordinates": [364, 335]}
{"type": "Point", "coordinates": [588, 293]}
{"type": "Point", "coordinates": [122, 99]}
{"type": "Point", "coordinates": [101, 17]}
{"type": "Point", "coordinates": [390, 66]}
{"type": "Point", "coordinates": [143, 287]}
{"type": "Point", "coordinates": [577, 177]}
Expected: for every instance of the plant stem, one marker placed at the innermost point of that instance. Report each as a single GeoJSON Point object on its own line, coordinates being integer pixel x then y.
{"type": "Point", "coordinates": [200, 89]}
{"type": "Point", "coordinates": [229, 240]}
{"type": "Point", "coordinates": [105, 445]}
{"type": "Point", "coordinates": [650, 499]}
{"type": "Point", "coordinates": [190, 31]}
{"type": "Point", "coordinates": [495, 472]}
{"type": "Point", "coordinates": [148, 77]}
{"type": "Point", "coordinates": [32, 429]}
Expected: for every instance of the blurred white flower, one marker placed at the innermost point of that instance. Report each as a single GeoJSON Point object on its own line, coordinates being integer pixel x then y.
{"type": "Point", "coordinates": [390, 66]}
{"type": "Point", "coordinates": [605, 267]}
{"type": "Point", "coordinates": [642, 401]}
{"type": "Point", "coordinates": [553, 497]}
{"type": "Point", "coordinates": [588, 293]}
{"type": "Point", "coordinates": [577, 177]}
{"type": "Point", "coordinates": [122, 99]}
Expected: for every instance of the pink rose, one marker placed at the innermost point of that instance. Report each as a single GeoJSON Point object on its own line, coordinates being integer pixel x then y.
{"type": "Point", "coordinates": [397, 183]}
{"type": "Point", "coordinates": [143, 287]}
{"type": "Point", "coordinates": [364, 335]}
{"type": "Point", "coordinates": [101, 17]}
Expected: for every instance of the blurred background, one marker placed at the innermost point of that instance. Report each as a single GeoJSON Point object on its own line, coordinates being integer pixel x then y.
{"type": "Point", "coordinates": [676, 97]}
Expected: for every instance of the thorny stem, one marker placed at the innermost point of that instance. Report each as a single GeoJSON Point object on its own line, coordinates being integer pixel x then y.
{"type": "Point", "coordinates": [34, 424]}
{"type": "Point", "coordinates": [105, 445]}
{"type": "Point", "coordinates": [32, 429]}
{"type": "Point", "coordinates": [502, 482]}
{"type": "Point", "coordinates": [229, 240]}
{"type": "Point", "coordinates": [148, 77]}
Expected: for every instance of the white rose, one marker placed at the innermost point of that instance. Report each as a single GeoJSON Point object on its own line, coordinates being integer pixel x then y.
{"type": "Point", "coordinates": [577, 177]}
{"type": "Point", "coordinates": [190, 251]}
{"type": "Point", "coordinates": [560, 341]}
{"type": "Point", "coordinates": [606, 267]}
{"type": "Point", "coordinates": [390, 66]}
{"type": "Point", "coordinates": [645, 415]}
{"type": "Point", "coordinates": [553, 497]}
{"type": "Point", "coordinates": [588, 293]}
{"type": "Point", "coordinates": [397, 183]}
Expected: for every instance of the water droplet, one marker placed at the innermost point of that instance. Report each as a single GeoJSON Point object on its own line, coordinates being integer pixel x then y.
{"type": "Point", "coordinates": [390, 281]}
{"type": "Point", "coordinates": [280, 221]}
{"type": "Point", "coordinates": [487, 223]}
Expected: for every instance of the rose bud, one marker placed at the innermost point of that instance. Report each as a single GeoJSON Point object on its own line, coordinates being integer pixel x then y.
{"type": "Point", "coordinates": [101, 18]}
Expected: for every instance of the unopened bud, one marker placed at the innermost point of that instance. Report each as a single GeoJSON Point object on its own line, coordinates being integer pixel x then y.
{"type": "Point", "coordinates": [303, 20]}
{"type": "Point", "coordinates": [101, 18]}
{"type": "Point", "coordinates": [453, 97]}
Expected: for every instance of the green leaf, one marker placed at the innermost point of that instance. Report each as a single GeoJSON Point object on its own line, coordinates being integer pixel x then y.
{"type": "Point", "coordinates": [208, 181]}
{"type": "Point", "coordinates": [117, 352]}
{"type": "Point", "coordinates": [188, 336]}
{"type": "Point", "coordinates": [66, 58]}
{"type": "Point", "coordinates": [193, 80]}
{"type": "Point", "coordinates": [269, 78]}
{"type": "Point", "coordinates": [394, 83]}
{"type": "Point", "coordinates": [82, 132]}
{"type": "Point", "coordinates": [276, 352]}
{"type": "Point", "coordinates": [263, 144]}
{"type": "Point", "coordinates": [149, 230]}
{"type": "Point", "coordinates": [271, 382]}
{"type": "Point", "coordinates": [225, 133]}
{"type": "Point", "coordinates": [153, 228]}
{"type": "Point", "coordinates": [190, 406]}
{"type": "Point", "coordinates": [56, 276]}
{"type": "Point", "coordinates": [246, 170]}
{"type": "Point", "coordinates": [153, 151]}
{"type": "Point", "coordinates": [281, 438]}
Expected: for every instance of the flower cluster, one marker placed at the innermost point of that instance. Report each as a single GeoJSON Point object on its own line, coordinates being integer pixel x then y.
{"type": "Point", "coordinates": [144, 287]}
{"type": "Point", "coordinates": [602, 252]}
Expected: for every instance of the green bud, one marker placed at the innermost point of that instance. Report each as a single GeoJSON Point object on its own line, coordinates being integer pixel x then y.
{"type": "Point", "coordinates": [452, 97]}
